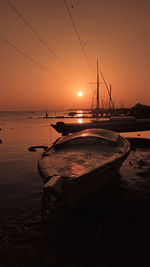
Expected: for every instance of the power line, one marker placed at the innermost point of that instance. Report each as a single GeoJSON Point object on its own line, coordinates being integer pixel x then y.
{"type": "Point", "coordinates": [32, 60]}
{"type": "Point", "coordinates": [82, 47]}
{"type": "Point", "coordinates": [77, 33]}
{"type": "Point", "coordinates": [13, 7]}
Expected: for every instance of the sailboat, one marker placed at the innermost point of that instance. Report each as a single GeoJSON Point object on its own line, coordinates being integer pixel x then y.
{"type": "Point", "coordinates": [100, 110]}
{"type": "Point", "coordinates": [114, 123]}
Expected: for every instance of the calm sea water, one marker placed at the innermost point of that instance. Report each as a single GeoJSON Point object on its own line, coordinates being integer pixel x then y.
{"type": "Point", "coordinates": [121, 224]}
{"type": "Point", "coordinates": [20, 182]}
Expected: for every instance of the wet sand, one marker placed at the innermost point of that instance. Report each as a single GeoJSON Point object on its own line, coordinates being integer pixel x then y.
{"type": "Point", "coordinates": [113, 233]}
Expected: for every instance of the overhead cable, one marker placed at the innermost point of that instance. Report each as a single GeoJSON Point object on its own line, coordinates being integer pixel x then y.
{"type": "Point", "coordinates": [77, 33]}
{"type": "Point", "coordinates": [32, 60]}
{"type": "Point", "coordinates": [13, 7]}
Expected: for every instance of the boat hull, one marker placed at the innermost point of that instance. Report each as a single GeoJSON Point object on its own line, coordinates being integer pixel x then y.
{"type": "Point", "coordinates": [76, 170]}
{"type": "Point", "coordinates": [99, 182]}
{"type": "Point", "coordinates": [117, 126]}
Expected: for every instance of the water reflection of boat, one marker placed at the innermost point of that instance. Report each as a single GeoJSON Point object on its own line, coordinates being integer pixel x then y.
{"type": "Point", "coordinates": [78, 165]}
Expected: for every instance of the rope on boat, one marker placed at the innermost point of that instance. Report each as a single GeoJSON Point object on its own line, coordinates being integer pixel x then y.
{"type": "Point", "coordinates": [34, 148]}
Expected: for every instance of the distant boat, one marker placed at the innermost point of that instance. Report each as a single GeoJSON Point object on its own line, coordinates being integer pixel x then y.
{"type": "Point", "coordinates": [78, 165]}
{"type": "Point", "coordinates": [117, 124]}
{"type": "Point", "coordinates": [72, 113]}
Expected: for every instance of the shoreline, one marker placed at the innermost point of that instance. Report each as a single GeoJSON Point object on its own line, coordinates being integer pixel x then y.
{"type": "Point", "coordinates": [113, 234]}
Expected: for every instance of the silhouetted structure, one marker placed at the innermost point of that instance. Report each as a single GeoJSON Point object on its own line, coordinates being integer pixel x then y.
{"type": "Point", "coordinates": [140, 111]}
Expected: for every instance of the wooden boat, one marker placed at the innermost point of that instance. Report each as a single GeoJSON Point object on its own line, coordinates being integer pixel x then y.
{"type": "Point", "coordinates": [76, 166]}
{"type": "Point", "coordinates": [114, 124]}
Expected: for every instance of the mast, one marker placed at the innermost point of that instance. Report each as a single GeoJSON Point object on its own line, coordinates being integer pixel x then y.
{"type": "Point", "coordinates": [108, 90]}
{"type": "Point", "coordinates": [110, 100]}
{"type": "Point", "coordinates": [97, 87]}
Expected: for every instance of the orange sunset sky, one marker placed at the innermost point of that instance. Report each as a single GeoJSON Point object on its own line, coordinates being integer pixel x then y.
{"type": "Point", "coordinates": [49, 49]}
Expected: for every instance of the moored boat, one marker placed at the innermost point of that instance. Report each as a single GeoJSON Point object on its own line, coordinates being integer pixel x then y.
{"type": "Point", "coordinates": [76, 166]}
{"type": "Point", "coordinates": [117, 124]}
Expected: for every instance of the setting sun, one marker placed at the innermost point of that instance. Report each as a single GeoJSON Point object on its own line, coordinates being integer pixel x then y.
{"type": "Point", "coordinates": [80, 94]}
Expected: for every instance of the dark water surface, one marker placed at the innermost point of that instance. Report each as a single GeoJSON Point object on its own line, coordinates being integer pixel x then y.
{"type": "Point", "coordinates": [114, 233]}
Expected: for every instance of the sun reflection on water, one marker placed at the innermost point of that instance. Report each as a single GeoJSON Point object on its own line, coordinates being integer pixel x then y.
{"type": "Point", "coordinates": [80, 113]}
{"type": "Point", "coordinates": [80, 120]}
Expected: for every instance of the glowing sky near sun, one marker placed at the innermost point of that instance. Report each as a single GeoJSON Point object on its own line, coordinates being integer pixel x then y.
{"type": "Point", "coordinates": [114, 32]}
{"type": "Point", "coordinates": [80, 94]}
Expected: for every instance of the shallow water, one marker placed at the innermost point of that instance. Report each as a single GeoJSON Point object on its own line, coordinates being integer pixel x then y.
{"type": "Point", "coordinates": [121, 240]}
{"type": "Point", "coordinates": [20, 183]}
